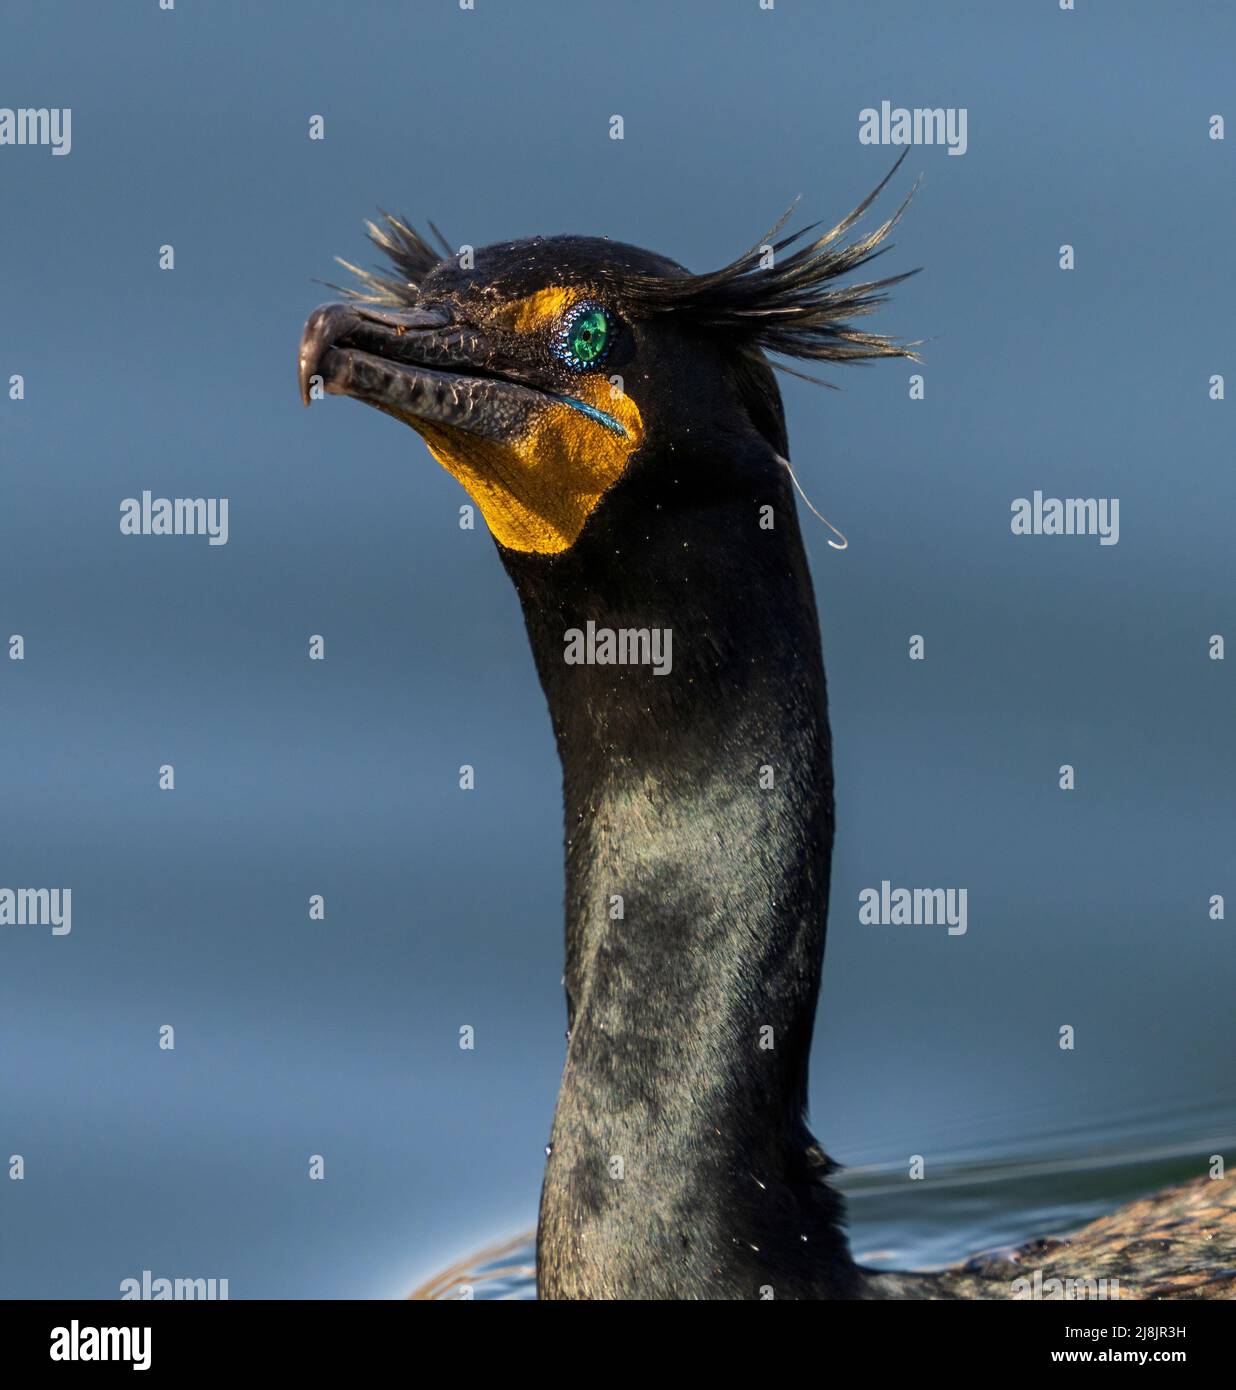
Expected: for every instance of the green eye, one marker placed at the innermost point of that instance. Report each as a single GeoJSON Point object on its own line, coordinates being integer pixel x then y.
{"type": "Point", "coordinates": [584, 338]}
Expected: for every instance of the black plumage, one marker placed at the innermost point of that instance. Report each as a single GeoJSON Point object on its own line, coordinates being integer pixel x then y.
{"type": "Point", "coordinates": [698, 802]}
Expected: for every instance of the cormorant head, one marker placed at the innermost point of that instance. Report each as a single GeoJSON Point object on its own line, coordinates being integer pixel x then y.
{"type": "Point", "coordinates": [542, 373]}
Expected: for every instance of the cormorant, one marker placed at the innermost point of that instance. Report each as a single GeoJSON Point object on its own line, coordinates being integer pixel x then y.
{"type": "Point", "coordinates": [616, 419]}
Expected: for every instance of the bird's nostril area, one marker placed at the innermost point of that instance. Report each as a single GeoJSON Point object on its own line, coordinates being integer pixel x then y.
{"type": "Point", "coordinates": [421, 316]}
{"type": "Point", "coordinates": [404, 335]}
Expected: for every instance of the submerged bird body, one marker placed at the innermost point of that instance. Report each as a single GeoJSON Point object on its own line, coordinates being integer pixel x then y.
{"type": "Point", "coordinates": [617, 422]}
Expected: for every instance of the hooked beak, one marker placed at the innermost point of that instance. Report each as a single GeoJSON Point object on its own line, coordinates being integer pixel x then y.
{"type": "Point", "coordinates": [535, 459]}
{"type": "Point", "coordinates": [415, 364]}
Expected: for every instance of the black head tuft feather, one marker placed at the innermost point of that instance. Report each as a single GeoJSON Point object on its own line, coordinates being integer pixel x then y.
{"type": "Point", "coordinates": [793, 307]}
{"type": "Point", "coordinates": [408, 251]}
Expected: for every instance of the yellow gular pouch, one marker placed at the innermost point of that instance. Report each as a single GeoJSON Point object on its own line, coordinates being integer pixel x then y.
{"type": "Point", "coordinates": [536, 490]}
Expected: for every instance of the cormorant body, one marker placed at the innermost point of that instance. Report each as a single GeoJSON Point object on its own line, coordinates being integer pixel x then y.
{"type": "Point", "coordinates": [617, 422]}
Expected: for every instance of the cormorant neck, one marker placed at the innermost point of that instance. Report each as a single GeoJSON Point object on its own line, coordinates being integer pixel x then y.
{"type": "Point", "coordinates": [699, 818]}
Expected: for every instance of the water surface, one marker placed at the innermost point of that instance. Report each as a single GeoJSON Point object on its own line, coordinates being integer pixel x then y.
{"type": "Point", "coordinates": [967, 1203]}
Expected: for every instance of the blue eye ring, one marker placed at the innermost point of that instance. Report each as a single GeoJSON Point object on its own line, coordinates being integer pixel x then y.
{"type": "Point", "coordinates": [575, 341]}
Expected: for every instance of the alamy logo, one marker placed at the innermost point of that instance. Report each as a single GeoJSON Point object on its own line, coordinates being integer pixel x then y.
{"type": "Point", "coordinates": [887, 906]}
{"type": "Point", "coordinates": [623, 646]}
{"type": "Point", "coordinates": [37, 125]}
{"type": "Point", "coordinates": [78, 1343]}
{"type": "Point", "coordinates": [1067, 516]}
{"type": "Point", "coordinates": [175, 516]}
{"type": "Point", "coordinates": [918, 125]}
{"type": "Point", "coordinates": [1063, 1290]}
{"type": "Point", "coordinates": [37, 907]}
{"type": "Point", "coordinates": [191, 1290]}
